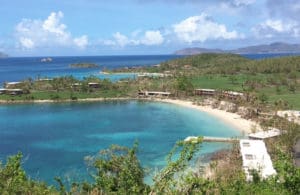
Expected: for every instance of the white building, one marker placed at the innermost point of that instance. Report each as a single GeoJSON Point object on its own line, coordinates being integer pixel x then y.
{"type": "Point", "coordinates": [154, 94]}
{"type": "Point", "coordinates": [272, 132]}
{"type": "Point", "coordinates": [256, 157]}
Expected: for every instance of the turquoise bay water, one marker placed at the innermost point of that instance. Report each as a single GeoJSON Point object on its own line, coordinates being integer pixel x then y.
{"type": "Point", "coordinates": [55, 138]}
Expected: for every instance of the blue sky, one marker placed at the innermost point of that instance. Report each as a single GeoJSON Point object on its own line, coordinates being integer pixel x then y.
{"type": "Point", "coordinates": [122, 27]}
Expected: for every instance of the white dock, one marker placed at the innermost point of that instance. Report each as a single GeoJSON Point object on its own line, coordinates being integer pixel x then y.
{"type": "Point", "coordinates": [214, 139]}
{"type": "Point", "coordinates": [219, 139]}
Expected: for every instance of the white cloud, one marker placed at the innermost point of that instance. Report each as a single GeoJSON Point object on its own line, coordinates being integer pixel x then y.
{"type": "Point", "coordinates": [202, 28]}
{"type": "Point", "coordinates": [149, 38]}
{"type": "Point", "coordinates": [81, 42]}
{"type": "Point", "coordinates": [276, 28]}
{"type": "Point", "coordinates": [28, 43]}
{"type": "Point", "coordinates": [121, 39]}
{"type": "Point", "coordinates": [53, 25]}
{"type": "Point", "coordinates": [32, 34]}
{"type": "Point", "coordinates": [243, 2]}
{"type": "Point", "coordinates": [152, 38]}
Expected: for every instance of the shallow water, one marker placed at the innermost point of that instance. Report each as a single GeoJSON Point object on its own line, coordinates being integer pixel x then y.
{"type": "Point", "coordinates": [55, 138]}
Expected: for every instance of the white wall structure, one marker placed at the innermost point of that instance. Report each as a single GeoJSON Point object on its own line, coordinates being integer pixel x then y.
{"type": "Point", "coordinates": [256, 157]}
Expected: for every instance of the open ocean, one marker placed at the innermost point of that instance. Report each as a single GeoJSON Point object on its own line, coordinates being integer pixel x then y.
{"type": "Point", "coordinates": [55, 138]}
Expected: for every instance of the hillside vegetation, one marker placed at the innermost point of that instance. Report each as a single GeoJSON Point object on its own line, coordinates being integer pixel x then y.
{"type": "Point", "coordinates": [277, 78]}
{"type": "Point", "coordinates": [207, 60]}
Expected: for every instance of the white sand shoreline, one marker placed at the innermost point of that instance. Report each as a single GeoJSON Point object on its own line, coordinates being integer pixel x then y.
{"type": "Point", "coordinates": [233, 119]}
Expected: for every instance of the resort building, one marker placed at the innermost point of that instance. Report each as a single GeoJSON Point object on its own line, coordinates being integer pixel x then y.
{"type": "Point", "coordinates": [232, 94]}
{"type": "Point", "coordinates": [205, 92]}
{"type": "Point", "coordinates": [153, 94]}
{"type": "Point", "coordinates": [153, 75]}
{"type": "Point", "coordinates": [14, 91]}
{"type": "Point", "coordinates": [93, 85]}
{"type": "Point", "coordinates": [41, 80]}
{"type": "Point", "coordinates": [12, 84]}
{"type": "Point", "coordinates": [273, 132]}
{"type": "Point", "coordinates": [2, 91]}
{"type": "Point", "coordinates": [256, 158]}
{"type": "Point", "coordinates": [76, 86]}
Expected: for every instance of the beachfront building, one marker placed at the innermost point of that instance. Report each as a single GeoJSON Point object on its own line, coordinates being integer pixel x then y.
{"type": "Point", "coordinates": [93, 85]}
{"type": "Point", "coordinates": [76, 86]}
{"type": "Point", "coordinates": [205, 92]}
{"type": "Point", "coordinates": [2, 91]}
{"type": "Point", "coordinates": [153, 75]}
{"type": "Point", "coordinates": [272, 132]}
{"type": "Point", "coordinates": [255, 157]}
{"type": "Point", "coordinates": [232, 94]}
{"type": "Point", "coordinates": [153, 94]}
{"type": "Point", "coordinates": [12, 85]}
{"type": "Point", "coordinates": [14, 91]}
{"type": "Point", "coordinates": [11, 91]}
{"type": "Point", "coordinates": [44, 80]}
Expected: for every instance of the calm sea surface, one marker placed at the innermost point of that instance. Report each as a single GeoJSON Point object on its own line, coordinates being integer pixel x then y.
{"type": "Point", "coordinates": [55, 138]}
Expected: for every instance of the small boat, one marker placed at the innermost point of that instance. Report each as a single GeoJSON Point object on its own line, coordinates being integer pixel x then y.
{"type": "Point", "coordinates": [46, 60]}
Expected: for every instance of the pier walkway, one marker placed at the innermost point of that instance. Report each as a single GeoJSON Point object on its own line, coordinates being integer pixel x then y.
{"type": "Point", "coordinates": [219, 139]}
{"type": "Point", "coordinates": [213, 139]}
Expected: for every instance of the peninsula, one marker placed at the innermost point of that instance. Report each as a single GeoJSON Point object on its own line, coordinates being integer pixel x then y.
{"type": "Point", "coordinates": [84, 65]}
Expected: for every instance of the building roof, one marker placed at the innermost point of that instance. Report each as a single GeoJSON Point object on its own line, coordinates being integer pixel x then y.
{"type": "Point", "coordinates": [45, 79]}
{"type": "Point", "coordinates": [234, 93]}
{"type": "Point", "coordinates": [256, 157]}
{"type": "Point", "coordinates": [158, 92]}
{"type": "Point", "coordinates": [91, 83]}
{"type": "Point", "coordinates": [13, 83]}
{"type": "Point", "coordinates": [212, 90]}
{"type": "Point", "coordinates": [265, 134]}
{"type": "Point", "coordinates": [146, 74]}
{"type": "Point", "coordinates": [14, 89]}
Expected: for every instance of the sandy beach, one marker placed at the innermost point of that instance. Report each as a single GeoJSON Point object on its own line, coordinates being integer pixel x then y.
{"type": "Point", "coordinates": [232, 119]}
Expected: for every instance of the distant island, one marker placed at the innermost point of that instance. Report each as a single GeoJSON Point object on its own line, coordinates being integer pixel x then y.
{"type": "Point", "coordinates": [3, 55]}
{"type": "Point", "coordinates": [277, 47]}
{"type": "Point", "coordinates": [84, 65]}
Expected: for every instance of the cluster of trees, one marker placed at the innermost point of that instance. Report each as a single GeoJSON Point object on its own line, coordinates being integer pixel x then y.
{"type": "Point", "coordinates": [286, 65]}
{"type": "Point", "coordinates": [65, 83]}
{"type": "Point", "coordinates": [207, 61]}
{"type": "Point", "coordinates": [68, 87]}
{"type": "Point", "coordinates": [118, 171]}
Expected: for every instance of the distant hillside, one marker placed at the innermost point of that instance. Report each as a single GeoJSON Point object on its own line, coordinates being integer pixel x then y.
{"type": "Point", "coordinates": [207, 60]}
{"type": "Point", "coordinates": [234, 64]}
{"type": "Point", "coordinates": [3, 55]}
{"type": "Point", "coordinates": [271, 48]}
{"type": "Point", "coordinates": [196, 50]}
